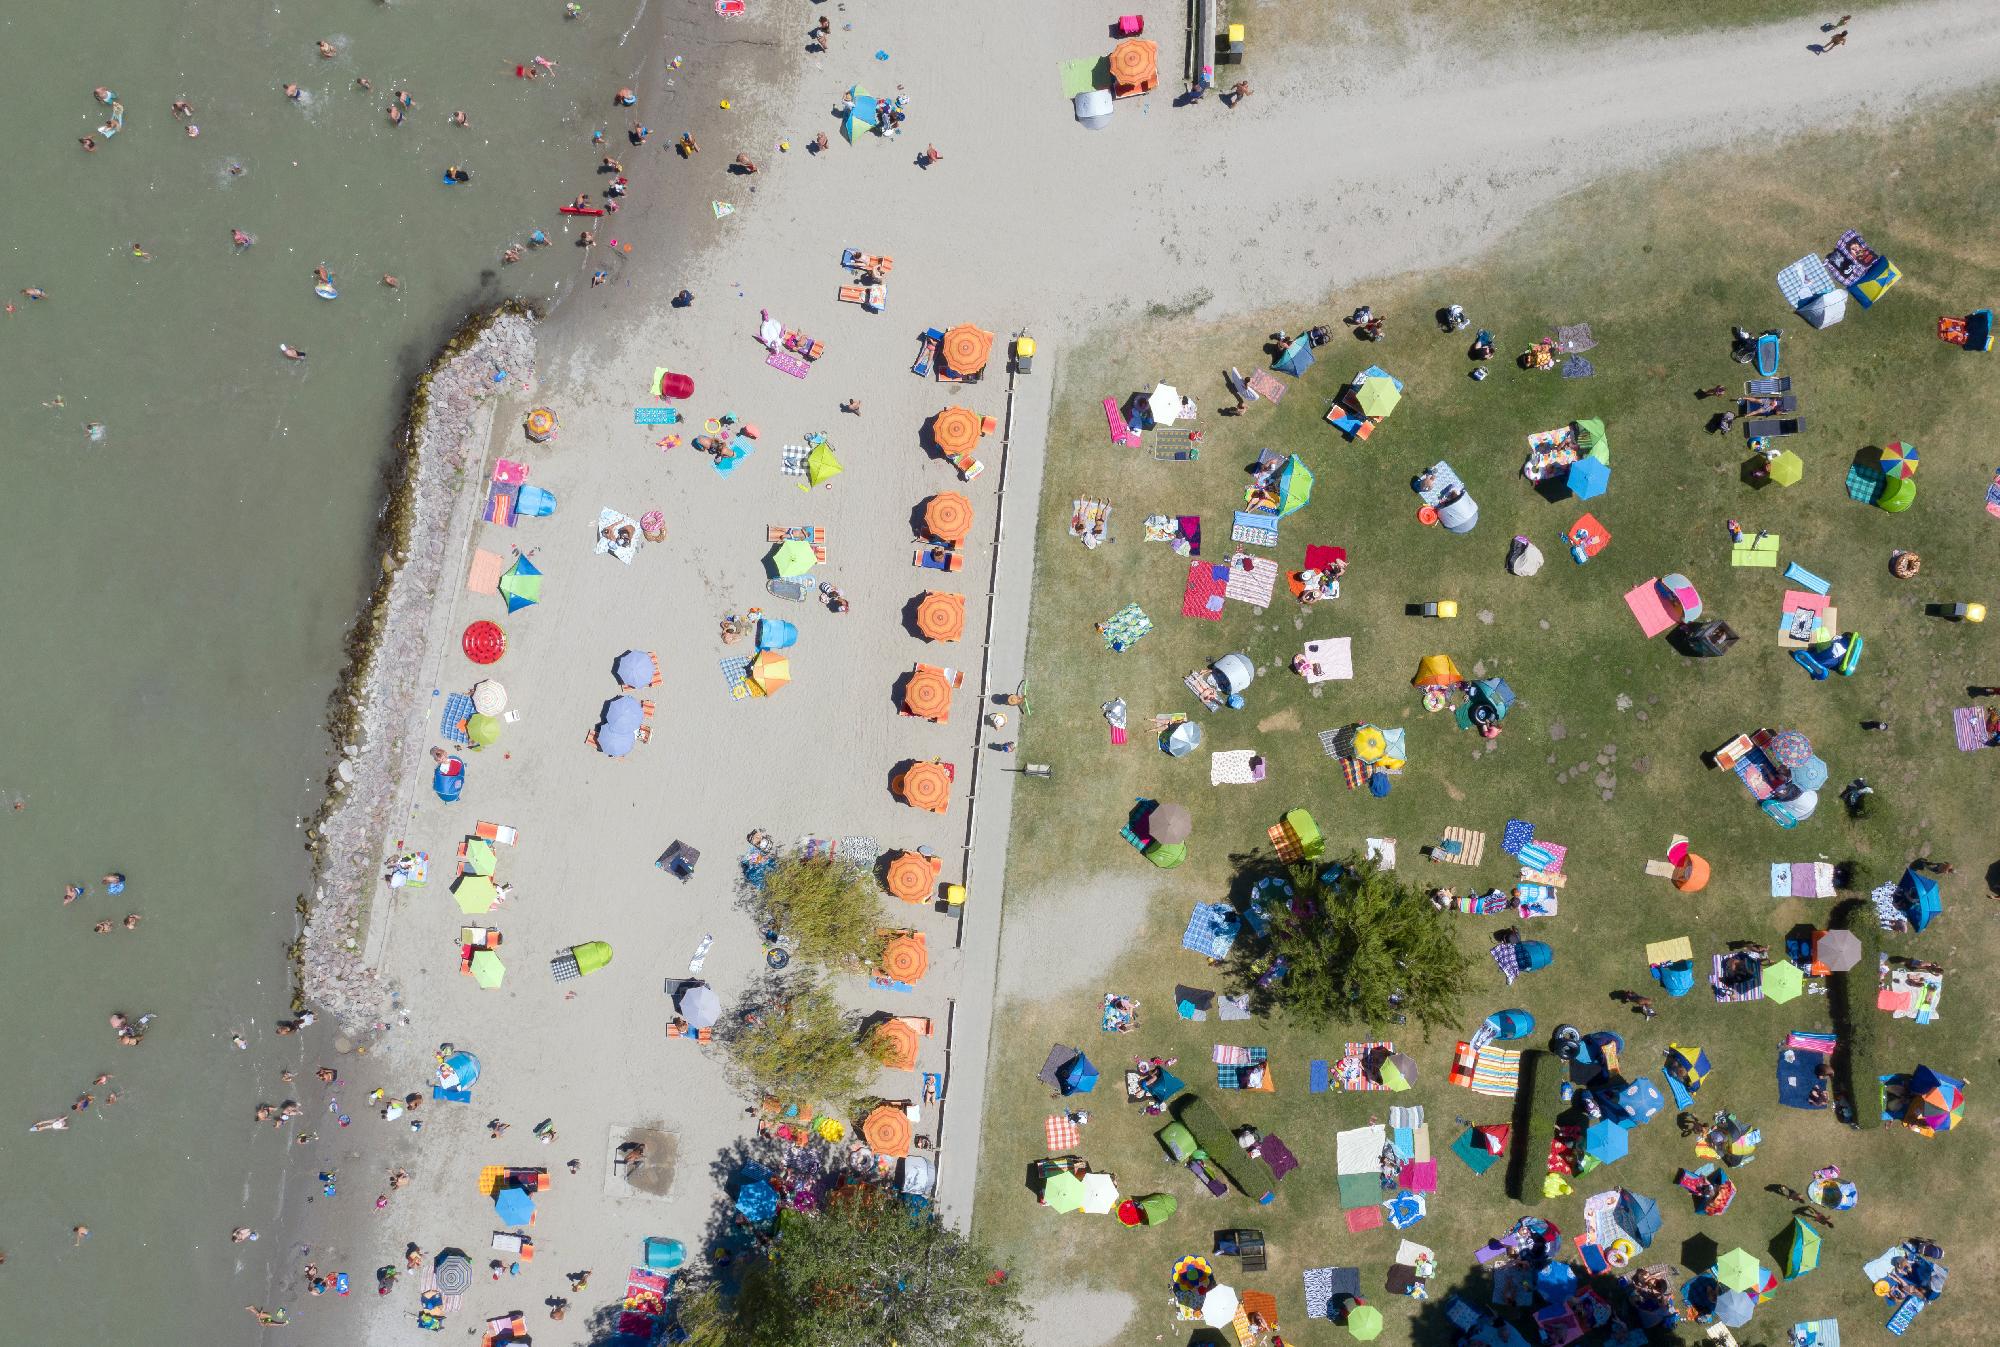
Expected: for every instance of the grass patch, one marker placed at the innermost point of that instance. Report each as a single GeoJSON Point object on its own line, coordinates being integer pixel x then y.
{"type": "Point", "coordinates": [1604, 749]}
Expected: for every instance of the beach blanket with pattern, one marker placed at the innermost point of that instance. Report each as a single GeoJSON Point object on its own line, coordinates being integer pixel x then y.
{"type": "Point", "coordinates": [1536, 900]}
{"type": "Point", "coordinates": [1252, 579]}
{"type": "Point", "coordinates": [1237, 1075]}
{"type": "Point", "coordinates": [1519, 833]}
{"type": "Point", "coordinates": [1727, 992]}
{"type": "Point", "coordinates": [1488, 1070]}
{"type": "Point", "coordinates": [457, 710]}
{"type": "Point", "coordinates": [1968, 729]}
{"type": "Point", "coordinates": [1231, 767]}
{"type": "Point", "coordinates": [1267, 386]}
{"type": "Point", "coordinates": [1062, 1134]}
{"type": "Point", "coordinates": [1544, 856]}
{"type": "Point", "coordinates": [1508, 956]}
{"type": "Point", "coordinates": [1478, 904]}
{"type": "Point", "coordinates": [1351, 1071]}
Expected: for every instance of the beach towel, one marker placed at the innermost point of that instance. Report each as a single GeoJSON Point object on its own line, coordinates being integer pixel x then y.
{"type": "Point", "coordinates": [510, 472]}
{"type": "Point", "coordinates": [500, 499]}
{"type": "Point", "coordinates": [1993, 495]}
{"type": "Point", "coordinates": [1649, 609]}
{"type": "Point", "coordinates": [1252, 580]}
{"type": "Point", "coordinates": [1968, 728]}
{"type": "Point", "coordinates": [1489, 1070]}
{"type": "Point", "coordinates": [1405, 1210]}
{"type": "Point", "coordinates": [1865, 483]}
{"type": "Point", "coordinates": [1207, 586]}
{"type": "Point", "coordinates": [786, 362]}
{"type": "Point", "coordinates": [1330, 660]}
{"type": "Point", "coordinates": [1576, 367]}
{"type": "Point", "coordinates": [1317, 1077]}
{"type": "Point", "coordinates": [1327, 1285]}
{"type": "Point", "coordinates": [1758, 551]}
{"type": "Point", "coordinates": [1473, 1152]}
{"type": "Point", "coordinates": [1351, 1071]}
{"type": "Point", "coordinates": [1359, 1150]}
{"type": "Point", "coordinates": [1329, 743]}
{"type": "Point", "coordinates": [1381, 850]}
{"type": "Point", "coordinates": [1230, 1054]}
{"type": "Point", "coordinates": [1419, 1176]}
{"type": "Point", "coordinates": [1519, 833]}
{"type": "Point", "coordinates": [1122, 435]}
{"type": "Point", "coordinates": [1236, 1007]}
{"type": "Point", "coordinates": [1546, 857]}
{"type": "Point", "coordinates": [1252, 1075]}
{"type": "Point", "coordinates": [1267, 385]}
{"type": "Point", "coordinates": [1470, 848]}
{"type": "Point", "coordinates": [1122, 630]}
{"type": "Point", "coordinates": [458, 709]}
{"type": "Point", "coordinates": [1536, 900]}
{"type": "Point", "coordinates": [1478, 904]}
{"type": "Point", "coordinates": [1797, 1074]}
{"type": "Point", "coordinates": [1192, 1003]}
{"type": "Point", "coordinates": [1190, 531]}
{"type": "Point", "coordinates": [1726, 993]}
{"type": "Point", "coordinates": [793, 463]}
{"type": "Point", "coordinates": [1063, 1135]}
{"type": "Point", "coordinates": [1507, 956]}
{"type": "Point", "coordinates": [484, 576]}
{"type": "Point", "coordinates": [1364, 1218]}
{"type": "Point", "coordinates": [1232, 767]}
{"type": "Point", "coordinates": [1802, 879]}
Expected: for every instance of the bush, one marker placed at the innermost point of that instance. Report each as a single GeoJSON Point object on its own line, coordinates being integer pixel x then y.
{"type": "Point", "coordinates": [829, 910]}
{"type": "Point", "coordinates": [1851, 1005]}
{"type": "Point", "coordinates": [1538, 1107]}
{"type": "Point", "coordinates": [802, 1046]}
{"type": "Point", "coordinates": [1363, 947]}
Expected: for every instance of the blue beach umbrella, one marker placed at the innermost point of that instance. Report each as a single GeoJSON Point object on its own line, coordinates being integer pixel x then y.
{"type": "Point", "coordinates": [513, 1206]}
{"type": "Point", "coordinates": [1607, 1141]}
{"type": "Point", "coordinates": [636, 668]}
{"type": "Point", "coordinates": [1589, 477]}
{"type": "Point", "coordinates": [758, 1202]}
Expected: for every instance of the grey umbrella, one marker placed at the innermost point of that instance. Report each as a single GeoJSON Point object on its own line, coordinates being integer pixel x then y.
{"type": "Point", "coordinates": [636, 669]}
{"type": "Point", "coordinates": [1169, 823]}
{"type": "Point", "coordinates": [700, 1006]}
{"type": "Point", "coordinates": [1734, 1308]}
{"type": "Point", "coordinates": [453, 1272]}
{"type": "Point", "coordinates": [1838, 950]}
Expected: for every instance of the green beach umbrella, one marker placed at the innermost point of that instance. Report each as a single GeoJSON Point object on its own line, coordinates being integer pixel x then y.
{"type": "Point", "coordinates": [1365, 1323]}
{"type": "Point", "coordinates": [1783, 982]}
{"type": "Point", "coordinates": [794, 556]}
{"type": "Point", "coordinates": [821, 466]}
{"type": "Point", "coordinates": [1062, 1191]}
{"type": "Point", "coordinates": [474, 894]}
{"type": "Point", "coordinates": [1738, 1270]}
{"type": "Point", "coordinates": [487, 970]}
{"type": "Point", "coordinates": [1377, 396]}
{"type": "Point", "coordinates": [479, 857]}
{"type": "Point", "coordinates": [1786, 469]}
{"type": "Point", "coordinates": [1591, 440]}
{"type": "Point", "coordinates": [521, 585]}
{"type": "Point", "coordinates": [482, 730]}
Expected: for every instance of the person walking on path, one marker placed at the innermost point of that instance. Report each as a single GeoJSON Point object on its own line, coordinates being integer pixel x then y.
{"type": "Point", "coordinates": [1839, 39]}
{"type": "Point", "coordinates": [1239, 91]}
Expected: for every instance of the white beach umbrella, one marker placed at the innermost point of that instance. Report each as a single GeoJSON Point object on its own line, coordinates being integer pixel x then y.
{"type": "Point", "coordinates": [489, 697]}
{"type": "Point", "coordinates": [1165, 404]}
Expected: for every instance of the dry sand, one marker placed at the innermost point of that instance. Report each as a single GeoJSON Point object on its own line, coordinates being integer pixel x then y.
{"type": "Point", "coordinates": [1027, 221]}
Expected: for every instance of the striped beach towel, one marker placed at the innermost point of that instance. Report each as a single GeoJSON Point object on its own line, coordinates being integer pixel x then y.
{"type": "Point", "coordinates": [1724, 992]}
{"type": "Point", "coordinates": [1470, 848]}
{"type": "Point", "coordinates": [1252, 580]}
{"type": "Point", "coordinates": [1351, 1071]}
{"type": "Point", "coordinates": [1229, 1054]}
{"type": "Point", "coordinates": [1488, 1070]}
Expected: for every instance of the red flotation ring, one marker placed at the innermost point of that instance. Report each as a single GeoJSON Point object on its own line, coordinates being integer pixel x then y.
{"type": "Point", "coordinates": [484, 642]}
{"type": "Point", "coordinates": [580, 210]}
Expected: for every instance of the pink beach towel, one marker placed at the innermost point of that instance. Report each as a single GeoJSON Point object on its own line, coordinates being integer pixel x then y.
{"type": "Point", "coordinates": [1648, 608]}
{"type": "Point", "coordinates": [484, 577]}
{"type": "Point", "coordinates": [1121, 434]}
{"type": "Point", "coordinates": [1364, 1218]}
{"type": "Point", "coordinates": [1207, 586]}
{"type": "Point", "coordinates": [509, 472]}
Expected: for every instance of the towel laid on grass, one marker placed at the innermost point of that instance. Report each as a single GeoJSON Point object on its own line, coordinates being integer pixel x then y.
{"type": "Point", "coordinates": [1252, 580]}
{"type": "Point", "coordinates": [1725, 992]}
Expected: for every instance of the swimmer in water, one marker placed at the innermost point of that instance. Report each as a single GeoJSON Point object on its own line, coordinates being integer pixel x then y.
{"type": "Point", "coordinates": [609, 165]}
{"type": "Point", "coordinates": [586, 239]}
{"type": "Point", "coordinates": [240, 239]}
{"type": "Point", "coordinates": [102, 928]}
{"type": "Point", "coordinates": [321, 276]}
{"type": "Point", "coordinates": [626, 98]}
{"type": "Point", "coordinates": [103, 95]}
{"type": "Point", "coordinates": [598, 278]}
{"type": "Point", "coordinates": [326, 50]}
{"type": "Point", "coordinates": [582, 201]}
{"type": "Point", "coordinates": [89, 144]}
{"type": "Point", "coordinates": [141, 253]}
{"type": "Point", "coordinates": [182, 108]}
{"type": "Point", "coordinates": [292, 92]}
{"type": "Point", "coordinates": [391, 281]}
{"type": "Point", "coordinates": [114, 883]}
{"type": "Point", "coordinates": [361, 82]}
{"type": "Point", "coordinates": [35, 292]}
{"type": "Point", "coordinates": [460, 119]}
{"type": "Point", "coordinates": [71, 892]}
{"type": "Point", "coordinates": [291, 352]}
{"type": "Point", "coordinates": [402, 97]}
{"type": "Point", "coordinates": [511, 256]}
{"type": "Point", "coordinates": [236, 170]}
{"type": "Point", "coordinates": [131, 921]}
{"type": "Point", "coordinates": [51, 1125]}
{"type": "Point", "coordinates": [395, 115]}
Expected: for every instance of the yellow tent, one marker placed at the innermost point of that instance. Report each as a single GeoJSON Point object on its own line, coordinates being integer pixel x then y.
{"type": "Point", "coordinates": [1437, 671]}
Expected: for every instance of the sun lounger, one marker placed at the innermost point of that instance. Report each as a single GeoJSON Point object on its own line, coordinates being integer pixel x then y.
{"type": "Point", "coordinates": [1763, 428]}
{"type": "Point", "coordinates": [930, 556]}
{"type": "Point", "coordinates": [1767, 388]}
{"type": "Point", "coordinates": [1787, 403]}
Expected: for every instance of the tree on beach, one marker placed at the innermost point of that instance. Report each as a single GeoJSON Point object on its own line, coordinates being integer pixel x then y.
{"type": "Point", "coordinates": [1359, 946]}
{"type": "Point", "coordinates": [828, 910]}
{"type": "Point", "coordinates": [799, 1044]}
{"type": "Point", "coordinates": [864, 1268]}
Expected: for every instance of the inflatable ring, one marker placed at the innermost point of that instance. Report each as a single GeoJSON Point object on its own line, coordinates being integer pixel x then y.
{"type": "Point", "coordinates": [541, 424]}
{"type": "Point", "coordinates": [712, 426]}
{"type": "Point", "coordinates": [1620, 1253]}
{"type": "Point", "coordinates": [1435, 699]}
{"type": "Point", "coordinates": [1905, 565]}
{"type": "Point", "coordinates": [1427, 516]}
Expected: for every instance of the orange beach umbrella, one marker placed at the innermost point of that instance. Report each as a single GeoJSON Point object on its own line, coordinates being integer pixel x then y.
{"type": "Point", "coordinates": [899, 1044]}
{"type": "Point", "coordinates": [1135, 64]}
{"type": "Point", "coordinates": [925, 785]}
{"type": "Point", "coordinates": [928, 694]}
{"type": "Point", "coordinates": [887, 1131]}
{"type": "Point", "coordinates": [905, 959]}
{"type": "Point", "coordinates": [769, 672]}
{"type": "Point", "coordinates": [965, 349]}
{"type": "Point", "coordinates": [913, 877]}
{"type": "Point", "coordinates": [955, 429]}
{"type": "Point", "coordinates": [948, 516]}
{"type": "Point", "coordinates": [941, 617]}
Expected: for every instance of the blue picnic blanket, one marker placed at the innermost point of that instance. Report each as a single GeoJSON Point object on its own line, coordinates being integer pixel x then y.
{"type": "Point", "coordinates": [457, 710]}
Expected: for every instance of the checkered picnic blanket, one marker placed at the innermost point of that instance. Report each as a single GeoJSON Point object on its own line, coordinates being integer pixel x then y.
{"type": "Point", "coordinates": [1508, 956]}
{"type": "Point", "coordinates": [457, 709]}
{"type": "Point", "coordinates": [736, 672]}
{"type": "Point", "coordinates": [1234, 1076]}
{"type": "Point", "coordinates": [1063, 1135]}
{"type": "Point", "coordinates": [1329, 743]}
{"type": "Point", "coordinates": [793, 461]}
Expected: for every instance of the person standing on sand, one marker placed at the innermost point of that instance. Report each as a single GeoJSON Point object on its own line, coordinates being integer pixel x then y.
{"type": "Point", "coordinates": [1239, 91]}
{"type": "Point", "coordinates": [1839, 39]}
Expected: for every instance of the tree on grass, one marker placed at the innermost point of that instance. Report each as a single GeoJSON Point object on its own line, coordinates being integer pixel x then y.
{"type": "Point", "coordinates": [829, 910]}
{"type": "Point", "coordinates": [865, 1268]}
{"type": "Point", "coordinates": [801, 1046]}
{"type": "Point", "coordinates": [1359, 946]}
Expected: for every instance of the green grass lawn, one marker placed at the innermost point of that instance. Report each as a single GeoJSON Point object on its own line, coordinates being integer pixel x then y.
{"type": "Point", "coordinates": [1660, 267]}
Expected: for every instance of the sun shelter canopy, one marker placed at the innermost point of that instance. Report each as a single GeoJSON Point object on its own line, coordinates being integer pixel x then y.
{"type": "Point", "coordinates": [793, 557]}
{"type": "Point", "coordinates": [1592, 442]}
{"type": "Point", "coordinates": [927, 693]}
{"type": "Point", "coordinates": [1297, 357]}
{"type": "Point", "coordinates": [964, 349]}
{"type": "Point", "coordinates": [1062, 1192]}
{"type": "Point", "coordinates": [1589, 478]}
{"type": "Point", "coordinates": [927, 786]}
{"type": "Point", "coordinates": [1135, 66]}
{"type": "Point", "coordinates": [906, 958]}
{"type": "Point", "coordinates": [1100, 1194]}
{"type": "Point", "coordinates": [1169, 823]}
{"type": "Point", "coordinates": [912, 876]}
{"type": "Point", "coordinates": [887, 1131]}
{"type": "Point", "coordinates": [1837, 951]}
{"type": "Point", "coordinates": [1437, 671]}
{"type": "Point", "coordinates": [623, 713]}
{"type": "Point", "coordinates": [521, 584]}
{"type": "Point", "coordinates": [1164, 402]}
{"type": "Point", "coordinates": [1738, 1270]}
{"type": "Point", "coordinates": [757, 1202]}
{"type": "Point", "coordinates": [955, 429]}
{"type": "Point", "coordinates": [479, 857]}
{"type": "Point", "coordinates": [1093, 108]}
{"type": "Point", "coordinates": [769, 672]}
{"type": "Point", "coordinates": [948, 516]}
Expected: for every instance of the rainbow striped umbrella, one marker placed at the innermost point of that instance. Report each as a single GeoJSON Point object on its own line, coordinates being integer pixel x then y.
{"type": "Point", "coordinates": [1899, 460]}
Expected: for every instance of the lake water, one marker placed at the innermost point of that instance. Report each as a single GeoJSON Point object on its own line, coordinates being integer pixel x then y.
{"type": "Point", "coordinates": [176, 593]}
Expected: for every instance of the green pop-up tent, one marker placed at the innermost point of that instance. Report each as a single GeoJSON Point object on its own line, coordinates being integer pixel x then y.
{"type": "Point", "coordinates": [1592, 442]}
{"type": "Point", "coordinates": [521, 584]}
{"type": "Point", "coordinates": [1803, 1256]}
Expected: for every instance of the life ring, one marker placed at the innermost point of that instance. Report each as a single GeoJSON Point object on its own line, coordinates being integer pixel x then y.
{"type": "Point", "coordinates": [1905, 565]}
{"type": "Point", "coordinates": [1427, 515]}
{"type": "Point", "coordinates": [325, 291]}
{"type": "Point", "coordinates": [541, 424]}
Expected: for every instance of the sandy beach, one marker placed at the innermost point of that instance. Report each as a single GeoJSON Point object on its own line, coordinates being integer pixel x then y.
{"type": "Point", "coordinates": [1026, 222]}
